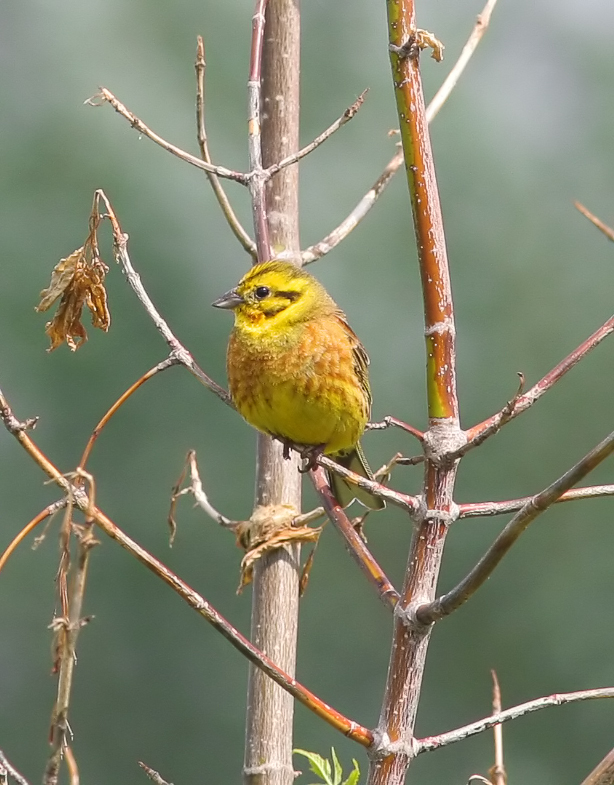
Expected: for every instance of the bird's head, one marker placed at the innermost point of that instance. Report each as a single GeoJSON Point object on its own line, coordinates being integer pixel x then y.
{"type": "Point", "coordinates": [278, 294]}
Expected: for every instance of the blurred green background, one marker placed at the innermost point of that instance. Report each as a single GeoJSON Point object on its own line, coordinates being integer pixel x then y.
{"type": "Point", "coordinates": [528, 130]}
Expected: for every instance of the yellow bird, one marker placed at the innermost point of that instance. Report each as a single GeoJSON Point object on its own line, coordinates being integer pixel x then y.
{"type": "Point", "coordinates": [297, 371]}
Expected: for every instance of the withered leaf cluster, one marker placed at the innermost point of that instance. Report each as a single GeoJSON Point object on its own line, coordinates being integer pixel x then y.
{"type": "Point", "coordinates": [79, 281]}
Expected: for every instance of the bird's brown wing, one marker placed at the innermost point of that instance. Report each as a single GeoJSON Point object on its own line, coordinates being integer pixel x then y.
{"type": "Point", "coordinates": [361, 358]}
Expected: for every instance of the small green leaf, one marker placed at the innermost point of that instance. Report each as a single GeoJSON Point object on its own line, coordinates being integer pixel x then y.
{"type": "Point", "coordinates": [330, 775]}
{"type": "Point", "coordinates": [318, 765]}
{"type": "Point", "coordinates": [354, 775]}
{"type": "Point", "coordinates": [338, 771]}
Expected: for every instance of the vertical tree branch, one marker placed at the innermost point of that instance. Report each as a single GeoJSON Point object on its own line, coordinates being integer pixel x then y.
{"type": "Point", "coordinates": [410, 638]}
{"type": "Point", "coordinates": [268, 748]}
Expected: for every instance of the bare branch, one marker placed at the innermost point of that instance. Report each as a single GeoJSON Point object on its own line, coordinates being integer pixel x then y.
{"type": "Point", "coordinates": [431, 743]}
{"type": "Point", "coordinates": [482, 509]}
{"type": "Point", "coordinates": [106, 96]}
{"type": "Point", "coordinates": [402, 500]}
{"type": "Point", "coordinates": [318, 250]}
{"type": "Point", "coordinates": [607, 230]}
{"type": "Point", "coordinates": [80, 499]}
{"type": "Point", "coordinates": [497, 772]}
{"type": "Point", "coordinates": [525, 401]}
{"type": "Point", "coordinates": [153, 775]}
{"type": "Point", "coordinates": [67, 630]}
{"type": "Point", "coordinates": [338, 234]}
{"type": "Point", "coordinates": [603, 773]}
{"type": "Point", "coordinates": [496, 423]}
{"type": "Point", "coordinates": [197, 490]}
{"type": "Point", "coordinates": [178, 352]}
{"type": "Point", "coordinates": [443, 606]}
{"type": "Point", "coordinates": [239, 232]}
{"type": "Point", "coordinates": [254, 134]}
{"type": "Point", "coordinates": [161, 366]}
{"type": "Point", "coordinates": [349, 113]}
{"type": "Point", "coordinates": [451, 80]}
{"type": "Point", "coordinates": [355, 544]}
{"type": "Point", "coordinates": [11, 770]}
{"type": "Point", "coordinates": [389, 422]}
{"type": "Point", "coordinates": [42, 516]}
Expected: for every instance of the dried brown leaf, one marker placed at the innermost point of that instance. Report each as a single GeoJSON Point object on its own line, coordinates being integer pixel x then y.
{"type": "Point", "coordinates": [277, 540]}
{"type": "Point", "coordinates": [79, 282]}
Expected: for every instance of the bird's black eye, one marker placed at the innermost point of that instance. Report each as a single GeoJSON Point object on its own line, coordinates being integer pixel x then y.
{"type": "Point", "coordinates": [262, 292]}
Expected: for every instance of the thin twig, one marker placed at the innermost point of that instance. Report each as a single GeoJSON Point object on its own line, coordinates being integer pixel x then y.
{"type": "Point", "coordinates": [80, 499]}
{"type": "Point", "coordinates": [607, 230]}
{"type": "Point", "coordinates": [67, 631]}
{"type": "Point", "coordinates": [106, 96]}
{"type": "Point", "coordinates": [338, 234]}
{"type": "Point", "coordinates": [197, 490]}
{"type": "Point", "coordinates": [497, 773]}
{"type": "Point", "coordinates": [11, 770]}
{"type": "Point", "coordinates": [402, 500]}
{"type": "Point", "coordinates": [496, 423]}
{"type": "Point", "coordinates": [42, 516]}
{"type": "Point", "coordinates": [483, 509]}
{"type": "Point", "coordinates": [451, 80]}
{"type": "Point", "coordinates": [254, 134]}
{"type": "Point", "coordinates": [230, 215]}
{"type": "Point", "coordinates": [321, 248]}
{"type": "Point", "coordinates": [526, 400]}
{"type": "Point", "coordinates": [178, 352]}
{"type": "Point", "coordinates": [153, 775]}
{"type": "Point", "coordinates": [430, 743]}
{"type": "Point", "coordinates": [349, 113]}
{"type": "Point", "coordinates": [161, 366]}
{"type": "Point", "coordinates": [390, 421]}
{"type": "Point", "coordinates": [603, 773]}
{"type": "Point", "coordinates": [71, 765]}
{"type": "Point", "coordinates": [443, 606]}
{"type": "Point", "coordinates": [355, 544]}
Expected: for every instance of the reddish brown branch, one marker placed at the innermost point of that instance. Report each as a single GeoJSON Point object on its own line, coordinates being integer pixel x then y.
{"type": "Point", "coordinates": [355, 544]}
{"type": "Point", "coordinates": [409, 646]}
{"type": "Point", "coordinates": [80, 499]}
{"type": "Point", "coordinates": [162, 366]}
{"type": "Point", "coordinates": [29, 527]}
{"type": "Point", "coordinates": [409, 503]}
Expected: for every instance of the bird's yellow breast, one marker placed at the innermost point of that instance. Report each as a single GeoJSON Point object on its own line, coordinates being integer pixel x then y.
{"type": "Point", "coordinates": [300, 383]}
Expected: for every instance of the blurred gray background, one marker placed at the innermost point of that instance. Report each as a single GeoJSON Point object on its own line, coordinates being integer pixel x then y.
{"type": "Point", "coordinates": [528, 130]}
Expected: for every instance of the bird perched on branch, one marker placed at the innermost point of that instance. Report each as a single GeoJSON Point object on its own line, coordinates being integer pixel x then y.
{"type": "Point", "coordinates": [297, 371]}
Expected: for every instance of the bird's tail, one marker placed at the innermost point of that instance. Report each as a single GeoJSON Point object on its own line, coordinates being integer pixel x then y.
{"type": "Point", "coordinates": [344, 492]}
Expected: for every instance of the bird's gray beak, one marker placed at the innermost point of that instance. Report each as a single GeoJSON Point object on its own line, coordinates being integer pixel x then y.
{"type": "Point", "coordinates": [229, 300]}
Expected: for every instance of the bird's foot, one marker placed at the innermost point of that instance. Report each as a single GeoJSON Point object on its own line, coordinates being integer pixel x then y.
{"type": "Point", "coordinates": [311, 455]}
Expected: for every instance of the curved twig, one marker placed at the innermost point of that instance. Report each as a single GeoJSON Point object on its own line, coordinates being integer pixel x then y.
{"type": "Point", "coordinates": [178, 352]}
